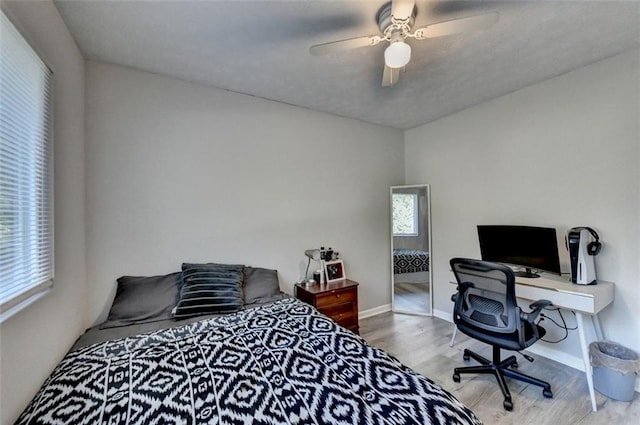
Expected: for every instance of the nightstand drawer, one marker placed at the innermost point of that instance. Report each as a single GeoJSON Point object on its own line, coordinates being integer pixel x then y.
{"type": "Point", "coordinates": [348, 322]}
{"type": "Point", "coordinates": [336, 300]}
{"type": "Point", "coordinates": [338, 312]}
{"type": "Point", "coordinates": [335, 297]}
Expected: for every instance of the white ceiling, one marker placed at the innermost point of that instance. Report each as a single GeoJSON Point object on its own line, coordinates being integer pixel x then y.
{"type": "Point", "coordinates": [261, 48]}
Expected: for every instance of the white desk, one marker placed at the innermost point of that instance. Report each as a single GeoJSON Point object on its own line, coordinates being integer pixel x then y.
{"type": "Point", "coordinates": [582, 299]}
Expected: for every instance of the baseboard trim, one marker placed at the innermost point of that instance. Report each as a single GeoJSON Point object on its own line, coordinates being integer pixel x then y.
{"type": "Point", "coordinates": [557, 355]}
{"type": "Point", "coordinates": [540, 350]}
{"type": "Point", "coordinates": [444, 315]}
{"type": "Point", "coordinates": [565, 359]}
{"type": "Point", "coordinates": [374, 311]}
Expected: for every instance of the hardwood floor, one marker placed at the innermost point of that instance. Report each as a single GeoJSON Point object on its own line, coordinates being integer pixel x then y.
{"type": "Point", "coordinates": [422, 343]}
{"type": "Point", "coordinates": [412, 297]}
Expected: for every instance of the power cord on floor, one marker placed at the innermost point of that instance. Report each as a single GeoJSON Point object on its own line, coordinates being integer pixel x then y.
{"type": "Point", "coordinates": [562, 326]}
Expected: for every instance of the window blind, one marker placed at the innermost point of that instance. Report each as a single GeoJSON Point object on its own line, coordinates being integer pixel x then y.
{"type": "Point", "coordinates": [26, 172]}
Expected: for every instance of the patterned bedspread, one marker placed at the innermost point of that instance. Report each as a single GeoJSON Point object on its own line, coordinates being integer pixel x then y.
{"type": "Point", "coordinates": [410, 261]}
{"type": "Point", "coordinates": [281, 364]}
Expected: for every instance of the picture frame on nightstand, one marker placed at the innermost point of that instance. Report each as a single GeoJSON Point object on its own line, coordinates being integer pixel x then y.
{"type": "Point", "coordinates": [334, 271]}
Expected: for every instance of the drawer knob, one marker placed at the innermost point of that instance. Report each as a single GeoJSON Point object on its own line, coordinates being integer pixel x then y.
{"type": "Point", "coordinates": [337, 295]}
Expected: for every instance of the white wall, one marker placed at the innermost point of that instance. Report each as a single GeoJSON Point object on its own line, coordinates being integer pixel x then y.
{"type": "Point", "coordinates": [561, 153]}
{"type": "Point", "coordinates": [181, 172]}
{"type": "Point", "coordinates": [33, 341]}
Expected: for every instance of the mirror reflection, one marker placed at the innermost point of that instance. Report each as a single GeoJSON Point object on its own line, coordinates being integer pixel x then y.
{"type": "Point", "coordinates": [411, 246]}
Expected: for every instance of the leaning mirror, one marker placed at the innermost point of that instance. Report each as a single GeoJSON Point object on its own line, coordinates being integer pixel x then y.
{"type": "Point", "coordinates": [411, 250]}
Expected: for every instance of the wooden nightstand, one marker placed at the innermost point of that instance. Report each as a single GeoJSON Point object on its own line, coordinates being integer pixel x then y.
{"type": "Point", "coordinates": [338, 300]}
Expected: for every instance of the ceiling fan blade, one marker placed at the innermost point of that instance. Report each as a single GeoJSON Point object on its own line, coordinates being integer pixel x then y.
{"type": "Point", "coordinates": [456, 26]}
{"type": "Point", "coordinates": [390, 76]}
{"type": "Point", "coordinates": [342, 45]}
{"type": "Point", "coordinates": [402, 9]}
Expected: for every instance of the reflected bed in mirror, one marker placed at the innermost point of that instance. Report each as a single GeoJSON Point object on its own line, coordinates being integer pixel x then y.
{"type": "Point", "coordinates": [411, 247]}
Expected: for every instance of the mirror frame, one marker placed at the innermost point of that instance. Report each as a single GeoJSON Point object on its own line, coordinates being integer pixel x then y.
{"type": "Point", "coordinates": [430, 238]}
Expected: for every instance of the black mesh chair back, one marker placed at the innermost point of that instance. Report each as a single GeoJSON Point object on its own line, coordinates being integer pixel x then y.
{"type": "Point", "coordinates": [488, 296]}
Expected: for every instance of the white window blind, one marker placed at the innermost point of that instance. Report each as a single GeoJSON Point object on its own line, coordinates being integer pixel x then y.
{"type": "Point", "coordinates": [26, 172]}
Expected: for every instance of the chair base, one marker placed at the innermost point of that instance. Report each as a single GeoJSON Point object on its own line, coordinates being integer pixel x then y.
{"type": "Point", "coordinates": [500, 369]}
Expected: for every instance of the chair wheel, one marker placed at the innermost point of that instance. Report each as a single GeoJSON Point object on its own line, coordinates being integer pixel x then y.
{"type": "Point", "coordinates": [514, 365]}
{"type": "Point", "coordinates": [547, 393]}
{"type": "Point", "coordinates": [456, 377]}
{"type": "Point", "coordinates": [465, 358]}
{"type": "Point", "coordinates": [508, 405]}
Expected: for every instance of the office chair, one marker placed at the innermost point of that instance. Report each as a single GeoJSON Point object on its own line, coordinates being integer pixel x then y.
{"type": "Point", "coordinates": [485, 309]}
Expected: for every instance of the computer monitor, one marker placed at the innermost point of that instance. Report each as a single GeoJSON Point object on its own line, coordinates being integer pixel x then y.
{"type": "Point", "coordinates": [534, 248]}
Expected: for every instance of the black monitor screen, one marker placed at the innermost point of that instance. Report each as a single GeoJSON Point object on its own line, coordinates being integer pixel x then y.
{"type": "Point", "coordinates": [530, 247]}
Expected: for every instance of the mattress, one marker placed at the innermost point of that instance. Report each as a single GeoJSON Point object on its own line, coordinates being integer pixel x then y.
{"type": "Point", "coordinates": [282, 363]}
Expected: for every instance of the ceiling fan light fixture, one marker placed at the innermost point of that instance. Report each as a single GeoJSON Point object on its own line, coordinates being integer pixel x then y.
{"type": "Point", "coordinates": [397, 54]}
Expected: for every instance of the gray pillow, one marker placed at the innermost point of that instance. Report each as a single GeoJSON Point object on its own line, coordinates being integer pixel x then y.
{"type": "Point", "coordinates": [260, 285]}
{"type": "Point", "coordinates": [143, 299]}
{"type": "Point", "coordinates": [209, 288]}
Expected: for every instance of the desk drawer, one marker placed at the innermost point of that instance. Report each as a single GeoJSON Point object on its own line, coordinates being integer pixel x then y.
{"type": "Point", "coordinates": [561, 299]}
{"type": "Point", "coordinates": [335, 297]}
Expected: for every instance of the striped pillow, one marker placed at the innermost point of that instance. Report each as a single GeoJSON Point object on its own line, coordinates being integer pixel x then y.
{"type": "Point", "coordinates": [209, 288]}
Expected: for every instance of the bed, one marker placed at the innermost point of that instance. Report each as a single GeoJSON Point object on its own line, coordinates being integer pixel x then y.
{"type": "Point", "coordinates": [276, 360]}
{"type": "Point", "coordinates": [410, 261]}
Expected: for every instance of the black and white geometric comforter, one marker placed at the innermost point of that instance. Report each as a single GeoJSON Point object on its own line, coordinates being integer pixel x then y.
{"type": "Point", "coordinates": [410, 261]}
{"type": "Point", "coordinates": [280, 364]}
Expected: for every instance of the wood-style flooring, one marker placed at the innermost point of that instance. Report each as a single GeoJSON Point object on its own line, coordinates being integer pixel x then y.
{"type": "Point", "coordinates": [422, 343]}
{"type": "Point", "coordinates": [411, 297]}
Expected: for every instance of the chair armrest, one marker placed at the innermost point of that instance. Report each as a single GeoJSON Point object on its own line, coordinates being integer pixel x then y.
{"type": "Point", "coordinates": [540, 304]}
{"type": "Point", "coordinates": [462, 288]}
{"type": "Point", "coordinates": [459, 297]}
{"type": "Point", "coordinates": [536, 309]}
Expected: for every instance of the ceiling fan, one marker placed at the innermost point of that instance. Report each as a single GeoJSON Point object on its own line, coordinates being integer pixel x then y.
{"type": "Point", "coordinates": [395, 20]}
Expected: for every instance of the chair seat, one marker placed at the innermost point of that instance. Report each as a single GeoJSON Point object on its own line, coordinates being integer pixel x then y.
{"type": "Point", "coordinates": [506, 341]}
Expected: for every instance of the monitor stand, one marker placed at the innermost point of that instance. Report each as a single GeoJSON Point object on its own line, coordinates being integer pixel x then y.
{"type": "Point", "coordinates": [527, 273]}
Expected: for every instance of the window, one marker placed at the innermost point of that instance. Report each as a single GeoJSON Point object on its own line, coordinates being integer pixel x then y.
{"type": "Point", "coordinates": [26, 173]}
{"type": "Point", "coordinates": [405, 214]}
